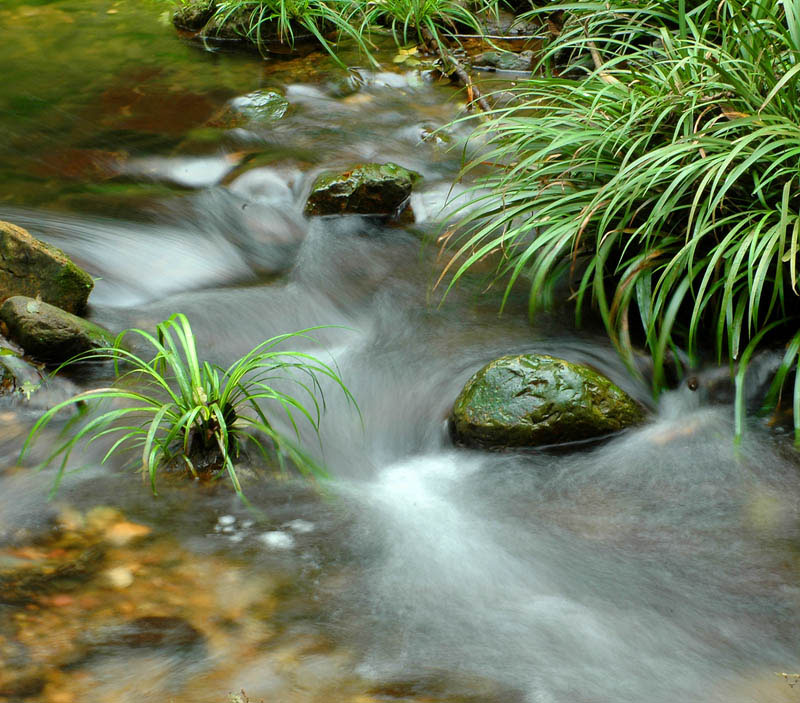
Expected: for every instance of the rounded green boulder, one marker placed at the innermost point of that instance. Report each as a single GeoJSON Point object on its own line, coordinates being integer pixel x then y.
{"type": "Point", "coordinates": [535, 400]}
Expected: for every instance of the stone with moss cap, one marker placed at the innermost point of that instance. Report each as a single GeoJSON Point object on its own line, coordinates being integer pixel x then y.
{"type": "Point", "coordinates": [34, 268]}
{"type": "Point", "coordinates": [366, 189]}
{"type": "Point", "coordinates": [536, 400]}
{"type": "Point", "coordinates": [48, 333]}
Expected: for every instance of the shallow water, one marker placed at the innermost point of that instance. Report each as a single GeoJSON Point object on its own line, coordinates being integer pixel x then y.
{"type": "Point", "coordinates": [660, 566]}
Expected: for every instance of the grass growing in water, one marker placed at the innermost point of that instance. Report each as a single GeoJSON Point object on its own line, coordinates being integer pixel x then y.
{"type": "Point", "coordinates": [659, 173]}
{"type": "Point", "coordinates": [175, 408]}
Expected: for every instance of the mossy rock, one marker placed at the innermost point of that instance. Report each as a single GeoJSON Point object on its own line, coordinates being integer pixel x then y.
{"type": "Point", "coordinates": [505, 60]}
{"type": "Point", "coordinates": [48, 333]}
{"type": "Point", "coordinates": [536, 400]}
{"type": "Point", "coordinates": [31, 267]}
{"type": "Point", "coordinates": [366, 189]}
{"type": "Point", "coordinates": [194, 15]}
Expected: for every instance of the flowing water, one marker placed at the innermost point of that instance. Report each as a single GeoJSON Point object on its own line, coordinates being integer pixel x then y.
{"type": "Point", "coordinates": [660, 566]}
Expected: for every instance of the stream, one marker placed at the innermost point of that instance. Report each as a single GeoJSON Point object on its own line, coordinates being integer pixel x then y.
{"type": "Point", "coordinates": [658, 567]}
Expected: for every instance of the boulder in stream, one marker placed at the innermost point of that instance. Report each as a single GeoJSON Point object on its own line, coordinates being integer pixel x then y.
{"type": "Point", "coordinates": [504, 60]}
{"type": "Point", "coordinates": [537, 400]}
{"type": "Point", "coordinates": [48, 333]}
{"type": "Point", "coordinates": [31, 267]}
{"type": "Point", "coordinates": [366, 189]}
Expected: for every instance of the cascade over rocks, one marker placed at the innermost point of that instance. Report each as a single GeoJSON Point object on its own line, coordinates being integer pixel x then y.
{"type": "Point", "coordinates": [366, 189]}
{"type": "Point", "coordinates": [535, 400]}
{"type": "Point", "coordinates": [48, 333]}
{"type": "Point", "coordinates": [31, 267]}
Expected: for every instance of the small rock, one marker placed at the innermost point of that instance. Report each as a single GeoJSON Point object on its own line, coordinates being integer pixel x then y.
{"type": "Point", "coordinates": [33, 268]}
{"type": "Point", "coordinates": [535, 400]}
{"type": "Point", "coordinates": [123, 533]}
{"type": "Point", "coordinates": [505, 60]}
{"type": "Point", "coordinates": [26, 581]}
{"type": "Point", "coordinates": [21, 684]}
{"type": "Point", "coordinates": [367, 189]}
{"type": "Point", "coordinates": [261, 105]}
{"type": "Point", "coordinates": [277, 539]}
{"type": "Point", "coordinates": [48, 333]}
{"type": "Point", "coordinates": [149, 631]}
{"type": "Point", "coordinates": [300, 526]}
{"type": "Point", "coordinates": [120, 577]}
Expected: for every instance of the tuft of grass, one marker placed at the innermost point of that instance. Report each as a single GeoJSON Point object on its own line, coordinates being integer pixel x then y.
{"type": "Point", "coordinates": [280, 21]}
{"type": "Point", "coordinates": [652, 164]}
{"type": "Point", "coordinates": [176, 409]}
{"type": "Point", "coordinates": [421, 21]}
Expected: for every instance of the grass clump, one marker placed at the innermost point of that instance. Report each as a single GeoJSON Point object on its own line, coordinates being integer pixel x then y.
{"type": "Point", "coordinates": [656, 171]}
{"type": "Point", "coordinates": [175, 409]}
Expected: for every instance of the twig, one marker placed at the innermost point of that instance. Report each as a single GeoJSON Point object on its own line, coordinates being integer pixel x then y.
{"type": "Point", "coordinates": [452, 65]}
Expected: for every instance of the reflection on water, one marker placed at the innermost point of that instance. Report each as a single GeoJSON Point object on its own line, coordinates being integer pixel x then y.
{"type": "Point", "coordinates": [661, 566]}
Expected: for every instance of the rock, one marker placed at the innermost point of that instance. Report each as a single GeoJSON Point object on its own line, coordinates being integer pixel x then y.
{"type": "Point", "coordinates": [504, 60]}
{"type": "Point", "coordinates": [260, 107]}
{"type": "Point", "coordinates": [22, 684]}
{"type": "Point", "coordinates": [367, 189]}
{"type": "Point", "coordinates": [535, 400]}
{"type": "Point", "coordinates": [26, 580]}
{"type": "Point", "coordinates": [193, 16]}
{"type": "Point", "coordinates": [148, 631]}
{"type": "Point", "coordinates": [48, 333]}
{"type": "Point", "coordinates": [30, 267]}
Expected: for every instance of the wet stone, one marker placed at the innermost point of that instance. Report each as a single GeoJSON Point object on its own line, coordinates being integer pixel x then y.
{"type": "Point", "coordinates": [366, 189]}
{"type": "Point", "coordinates": [25, 580]}
{"type": "Point", "coordinates": [537, 400]}
{"type": "Point", "coordinates": [144, 632]}
{"type": "Point", "coordinates": [33, 268]}
{"type": "Point", "coordinates": [48, 333]}
{"type": "Point", "coordinates": [504, 60]}
{"type": "Point", "coordinates": [261, 107]}
{"type": "Point", "coordinates": [21, 684]}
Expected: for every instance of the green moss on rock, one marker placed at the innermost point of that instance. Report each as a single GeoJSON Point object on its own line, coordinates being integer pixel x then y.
{"type": "Point", "coordinates": [33, 268]}
{"type": "Point", "coordinates": [536, 400]}
{"type": "Point", "coordinates": [366, 189]}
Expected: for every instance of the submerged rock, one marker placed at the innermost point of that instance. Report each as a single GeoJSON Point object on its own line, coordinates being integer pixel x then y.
{"type": "Point", "coordinates": [48, 333]}
{"type": "Point", "coordinates": [535, 400]}
{"type": "Point", "coordinates": [259, 108]}
{"type": "Point", "coordinates": [25, 580]}
{"type": "Point", "coordinates": [504, 60]}
{"type": "Point", "coordinates": [148, 631]}
{"type": "Point", "coordinates": [366, 189]}
{"type": "Point", "coordinates": [31, 267]}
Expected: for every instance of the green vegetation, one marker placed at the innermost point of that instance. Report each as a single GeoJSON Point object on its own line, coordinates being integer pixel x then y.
{"type": "Point", "coordinates": [175, 408]}
{"type": "Point", "coordinates": [652, 164]}
{"type": "Point", "coordinates": [266, 22]}
{"type": "Point", "coordinates": [270, 24]}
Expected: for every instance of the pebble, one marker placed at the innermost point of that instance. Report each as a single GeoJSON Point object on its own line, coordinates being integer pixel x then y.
{"type": "Point", "coordinates": [119, 577]}
{"type": "Point", "coordinates": [302, 527]}
{"type": "Point", "coordinates": [277, 539]}
{"type": "Point", "coordinates": [123, 533]}
{"type": "Point", "coordinates": [225, 520]}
